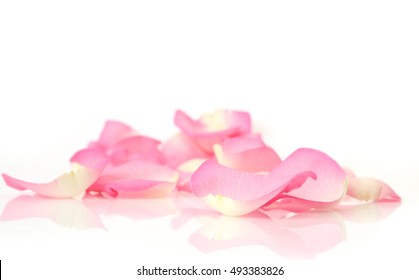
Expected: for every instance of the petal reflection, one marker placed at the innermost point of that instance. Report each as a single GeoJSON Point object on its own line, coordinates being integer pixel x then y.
{"type": "Point", "coordinates": [301, 236]}
{"type": "Point", "coordinates": [133, 208]}
{"type": "Point", "coordinates": [367, 213]}
{"type": "Point", "coordinates": [68, 213]}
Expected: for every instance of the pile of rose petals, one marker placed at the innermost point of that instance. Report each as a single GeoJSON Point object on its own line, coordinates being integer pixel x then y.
{"type": "Point", "coordinates": [216, 157]}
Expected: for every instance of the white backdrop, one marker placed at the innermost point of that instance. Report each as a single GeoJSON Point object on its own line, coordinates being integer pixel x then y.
{"type": "Point", "coordinates": [339, 77]}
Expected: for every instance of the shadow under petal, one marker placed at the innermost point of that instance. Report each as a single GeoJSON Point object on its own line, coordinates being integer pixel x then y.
{"type": "Point", "coordinates": [68, 213]}
{"type": "Point", "coordinates": [133, 208]}
{"type": "Point", "coordinates": [301, 236]}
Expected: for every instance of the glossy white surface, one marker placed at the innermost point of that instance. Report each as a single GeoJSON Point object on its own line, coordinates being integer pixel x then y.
{"type": "Point", "coordinates": [112, 238]}
{"type": "Point", "coordinates": [341, 78]}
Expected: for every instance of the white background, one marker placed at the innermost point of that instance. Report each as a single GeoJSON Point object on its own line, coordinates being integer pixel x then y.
{"type": "Point", "coordinates": [339, 77]}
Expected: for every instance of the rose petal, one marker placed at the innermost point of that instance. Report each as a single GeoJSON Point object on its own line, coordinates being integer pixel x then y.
{"type": "Point", "coordinates": [327, 188]}
{"type": "Point", "coordinates": [180, 149]}
{"type": "Point", "coordinates": [307, 175]}
{"type": "Point", "coordinates": [233, 192]}
{"type": "Point", "coordinates": [137, 144]}
{"type": "Point", "coordinates": [93, 159]}
{"type": "Point", "coordinates": [136, 178]}
{"type": "Point", "coordinates": [214, 128]}
{"type": "Point", "coordinates": [87, 166]}
{"type": "Point", "coordinates": [112, 133]}
{"type": "Point", "coordinates": [186, 170]}
{"type": "Point", "coordinates": [247, 153]}
{"type": "Point", "coordinates": [243, 143]}
{"type": "Point", "coordinates": [136, 148]}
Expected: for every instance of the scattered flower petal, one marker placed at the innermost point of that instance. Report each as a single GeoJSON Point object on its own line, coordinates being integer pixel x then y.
{"type": "Point", "coordinates": [215, 157]}
{"type": "Point", "coordinates": [213, 128]}
{"type": "Point", "coordinates": [326, 188]}
{"type": "Point", "coordinates": [246, 153]}
{"type": "Point", "coordinates": [308, 175]}
{"type": "Point", "coordinates": [136, 178]}
{"type": "Point", "coordinates": [180, 148]}
{"type": "Point", "coordinates": [186, 170]}
{"type": "Point", "coordinates": [112, 133]}
{"type": "Point", "coordinates": [86, 167]}
{"type": "Point", "coordinates": [136, 148]}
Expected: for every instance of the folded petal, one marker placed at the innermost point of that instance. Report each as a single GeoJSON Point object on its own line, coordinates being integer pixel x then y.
{"type": "Point", "coordinates": [136, 178]}
{"type": "Point", "coordinates": [87, 165]}
{"type": "Point", "coordinates": [234, 192]}
{"type": "Point", "coordinates": [246, 153]}
{"type": "Point", "coordinates": [307, 175]}
{"type": "Point", "coordinates": [214, 128]}
{"type": "Point", "coordinates": [325, 189]}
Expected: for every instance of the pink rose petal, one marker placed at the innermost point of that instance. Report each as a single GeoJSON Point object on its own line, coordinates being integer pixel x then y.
{"type": "Point", "coordinates": [136, 148]}
{"type": "Point", "coordinates": [180, 148]}
{"type": "Point", "coordinates": [233, 192]}
{"type": "Point", "coordinates": [136, 178]}
{"type": "Point", "coordinates": [246, 153]}
{"type": "Point", "coordinates": [112, 133]}
{"type": "Point", "coordinates": [213, 128]}
{"type": "Point", "coordinates": [216, 157]}
{"type": "Point", "coordinates": [327, 188]}
{"type": "Point", "coordinates": [186, 170]}
{"type": "Point", "coordinates": [307, 175]}
{"type": "Point", "coordinates": [87, 166]}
